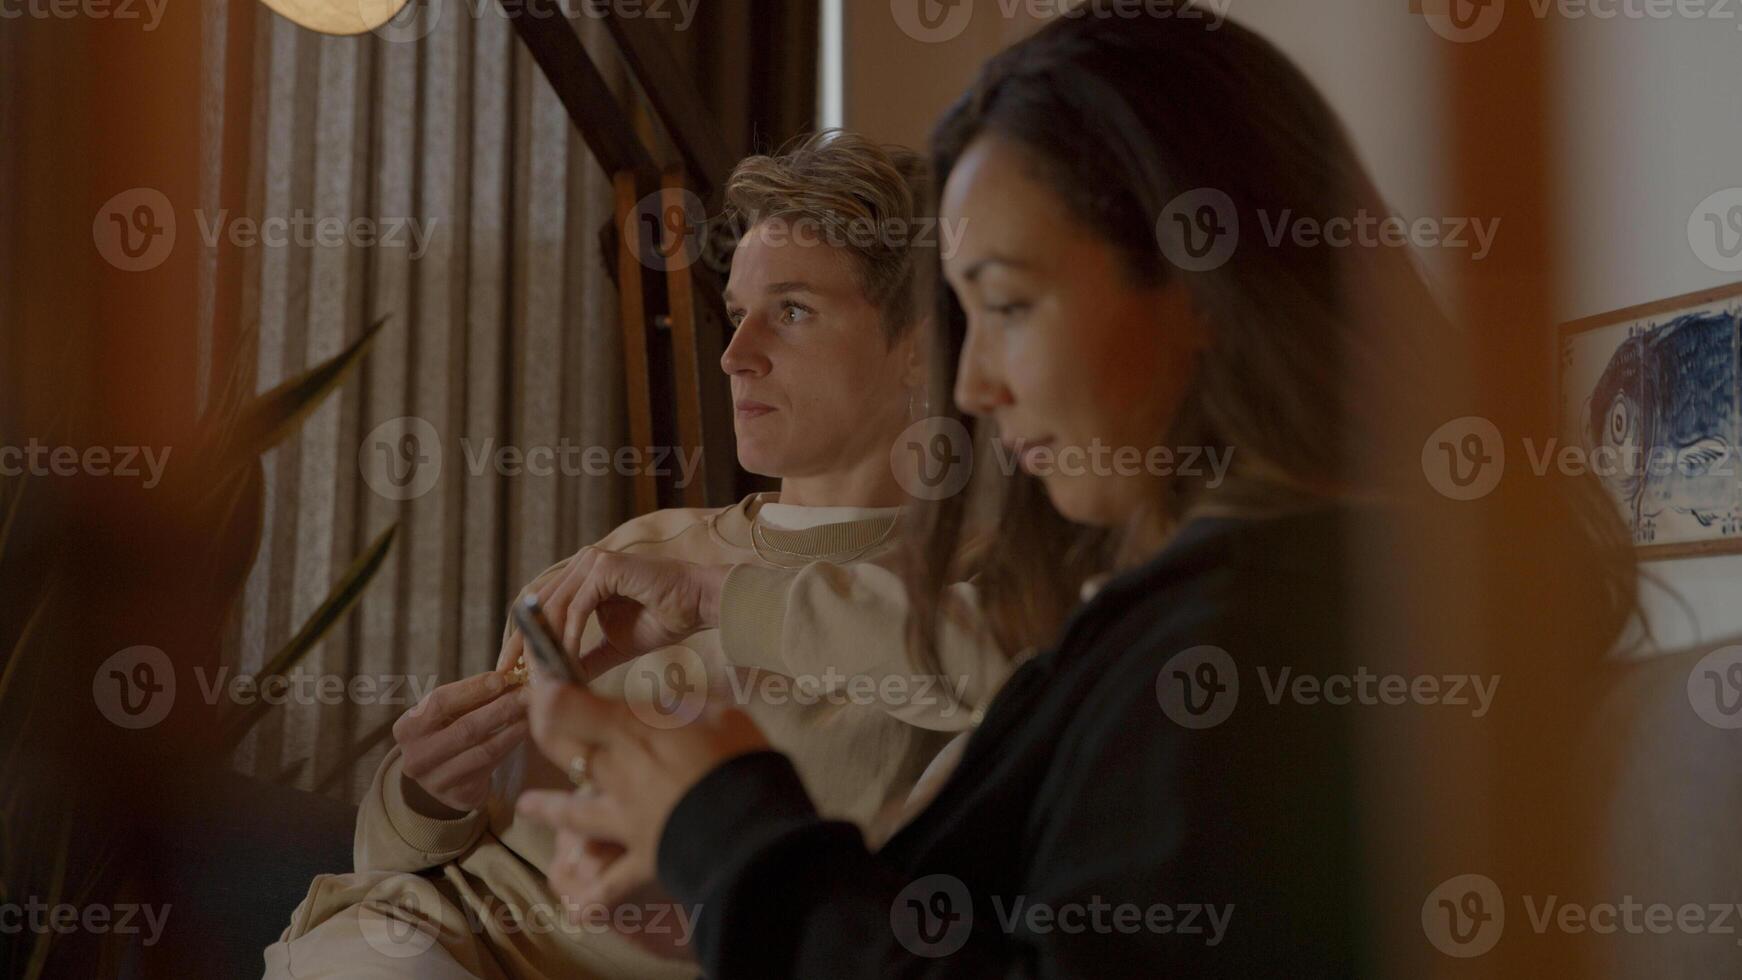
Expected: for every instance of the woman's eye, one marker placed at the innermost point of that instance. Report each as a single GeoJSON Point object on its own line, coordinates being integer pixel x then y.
{"type": "Point", "coordinates": [1007, 310]}
{"type": "Point", "coordinates": [735, 316]}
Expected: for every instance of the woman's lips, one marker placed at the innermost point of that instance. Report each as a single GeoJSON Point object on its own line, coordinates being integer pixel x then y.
{"type": "Point", "coordinates": [750, 410]}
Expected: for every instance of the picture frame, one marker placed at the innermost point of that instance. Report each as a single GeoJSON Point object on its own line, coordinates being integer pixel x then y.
{"type": "Point", "coordinates": [1651, 394]}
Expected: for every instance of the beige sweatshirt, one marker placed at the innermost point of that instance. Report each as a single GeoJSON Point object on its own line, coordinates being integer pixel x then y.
{"type": "Point", "coordinates": [811, 644]}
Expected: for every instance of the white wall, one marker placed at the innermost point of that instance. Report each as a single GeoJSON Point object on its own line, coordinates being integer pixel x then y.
{"type": "Point", "coordinates": [1652, 125]}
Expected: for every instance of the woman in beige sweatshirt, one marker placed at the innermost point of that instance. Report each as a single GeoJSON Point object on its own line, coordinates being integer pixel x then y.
{"type": "Point", "coordinates": [811, 635]}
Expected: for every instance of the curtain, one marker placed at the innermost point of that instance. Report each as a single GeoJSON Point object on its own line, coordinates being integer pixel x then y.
{"type": "Point", "coordinates": [500, 333]}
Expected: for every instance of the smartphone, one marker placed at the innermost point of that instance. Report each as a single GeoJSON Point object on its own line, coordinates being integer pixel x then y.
{"type": "Point", "coordinates": [547, 650]}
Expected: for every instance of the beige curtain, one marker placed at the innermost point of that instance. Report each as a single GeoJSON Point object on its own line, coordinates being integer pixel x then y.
{"type": "Point", "coordinates": [502, 333]}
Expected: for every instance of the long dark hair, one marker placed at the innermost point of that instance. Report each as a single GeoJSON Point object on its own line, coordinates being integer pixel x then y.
{"type": "Point", "coordinates": [1318, 377]}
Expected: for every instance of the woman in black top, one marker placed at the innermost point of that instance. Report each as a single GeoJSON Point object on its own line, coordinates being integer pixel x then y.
{"type": "Point", "coordinates": [1196, 405]}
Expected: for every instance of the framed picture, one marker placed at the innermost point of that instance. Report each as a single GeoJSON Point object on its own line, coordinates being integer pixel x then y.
{"type": "Point", "coordinates": [1650, 394]}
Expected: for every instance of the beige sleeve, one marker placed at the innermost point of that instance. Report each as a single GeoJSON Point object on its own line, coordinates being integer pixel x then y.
{"type": "Point", "coordinates": [392, 835]}
{"type": "Point", "coordinates": [844, 629]}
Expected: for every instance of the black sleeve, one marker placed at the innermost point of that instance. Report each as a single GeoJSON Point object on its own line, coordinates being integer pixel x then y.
{"type": "Point", "coordinates": [780, 892]}
{"type": "Point", "coordinates": [786, 894]}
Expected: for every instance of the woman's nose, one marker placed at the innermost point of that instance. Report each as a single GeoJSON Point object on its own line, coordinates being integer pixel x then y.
{"type": "Point", "coordinates": [743, 354]}
{"type": "Point", "coordinates": [979, 389]}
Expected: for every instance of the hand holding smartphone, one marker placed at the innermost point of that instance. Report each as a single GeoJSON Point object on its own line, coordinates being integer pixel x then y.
{"type": "Point", "coordinates": [547, 650]}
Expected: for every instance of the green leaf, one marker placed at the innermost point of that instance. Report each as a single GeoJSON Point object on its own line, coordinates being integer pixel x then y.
{"type": "Point", "coordinates": [336, 604]}
{"type": "Point", "coordinates": [266, 420]}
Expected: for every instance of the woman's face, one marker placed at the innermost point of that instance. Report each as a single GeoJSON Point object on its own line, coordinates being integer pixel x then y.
{"type": "Point", "coordinates": [817, 389]}
{"type": "Point", "coordinates": [1082, 369]}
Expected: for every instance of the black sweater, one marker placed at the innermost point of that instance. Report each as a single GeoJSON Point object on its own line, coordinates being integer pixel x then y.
{"type": "Point", "coordinates": [1087, 831]}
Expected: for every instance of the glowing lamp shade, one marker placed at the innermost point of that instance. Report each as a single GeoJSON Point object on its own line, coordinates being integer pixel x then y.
{"type": "Point", "coordinates": [337, 16]}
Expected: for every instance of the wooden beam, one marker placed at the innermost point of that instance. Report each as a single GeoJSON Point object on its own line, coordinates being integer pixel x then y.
{"type": "Point", "coordinates": [632, 315]}
{"type": "Point", "coordinates": [691, 127]}
{"type": "Point", "coordinates": [596, 110]}
{"type": "Point", "coordinates": [697, 340]}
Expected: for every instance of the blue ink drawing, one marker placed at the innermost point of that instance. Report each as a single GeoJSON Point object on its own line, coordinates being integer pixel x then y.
{"type": "Point", "coordinates": [1663, 417]}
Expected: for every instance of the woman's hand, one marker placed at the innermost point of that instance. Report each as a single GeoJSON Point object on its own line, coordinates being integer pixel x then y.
{"type": "Point", "coordinates": [454, 738]}
{"type": "Point", "coordinates": [644, 603]}
{"type": "Point", "coordinates": [637, 775]}
{"type": "Point", "coordinates": [657, 924]}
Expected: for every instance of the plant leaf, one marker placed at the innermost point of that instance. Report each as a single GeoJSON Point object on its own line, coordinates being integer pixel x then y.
{"type": "Point", "coordinates": [266, 420]}
{"type": "Point", "coordinates": [336, 604]}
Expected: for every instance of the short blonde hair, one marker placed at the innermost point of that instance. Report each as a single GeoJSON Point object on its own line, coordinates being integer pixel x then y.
{"type": "Point", "coordinates": [865, 196]}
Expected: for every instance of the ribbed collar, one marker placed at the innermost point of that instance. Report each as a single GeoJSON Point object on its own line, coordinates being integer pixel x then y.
{"type": "Point", "coordinates": [784, 546]}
